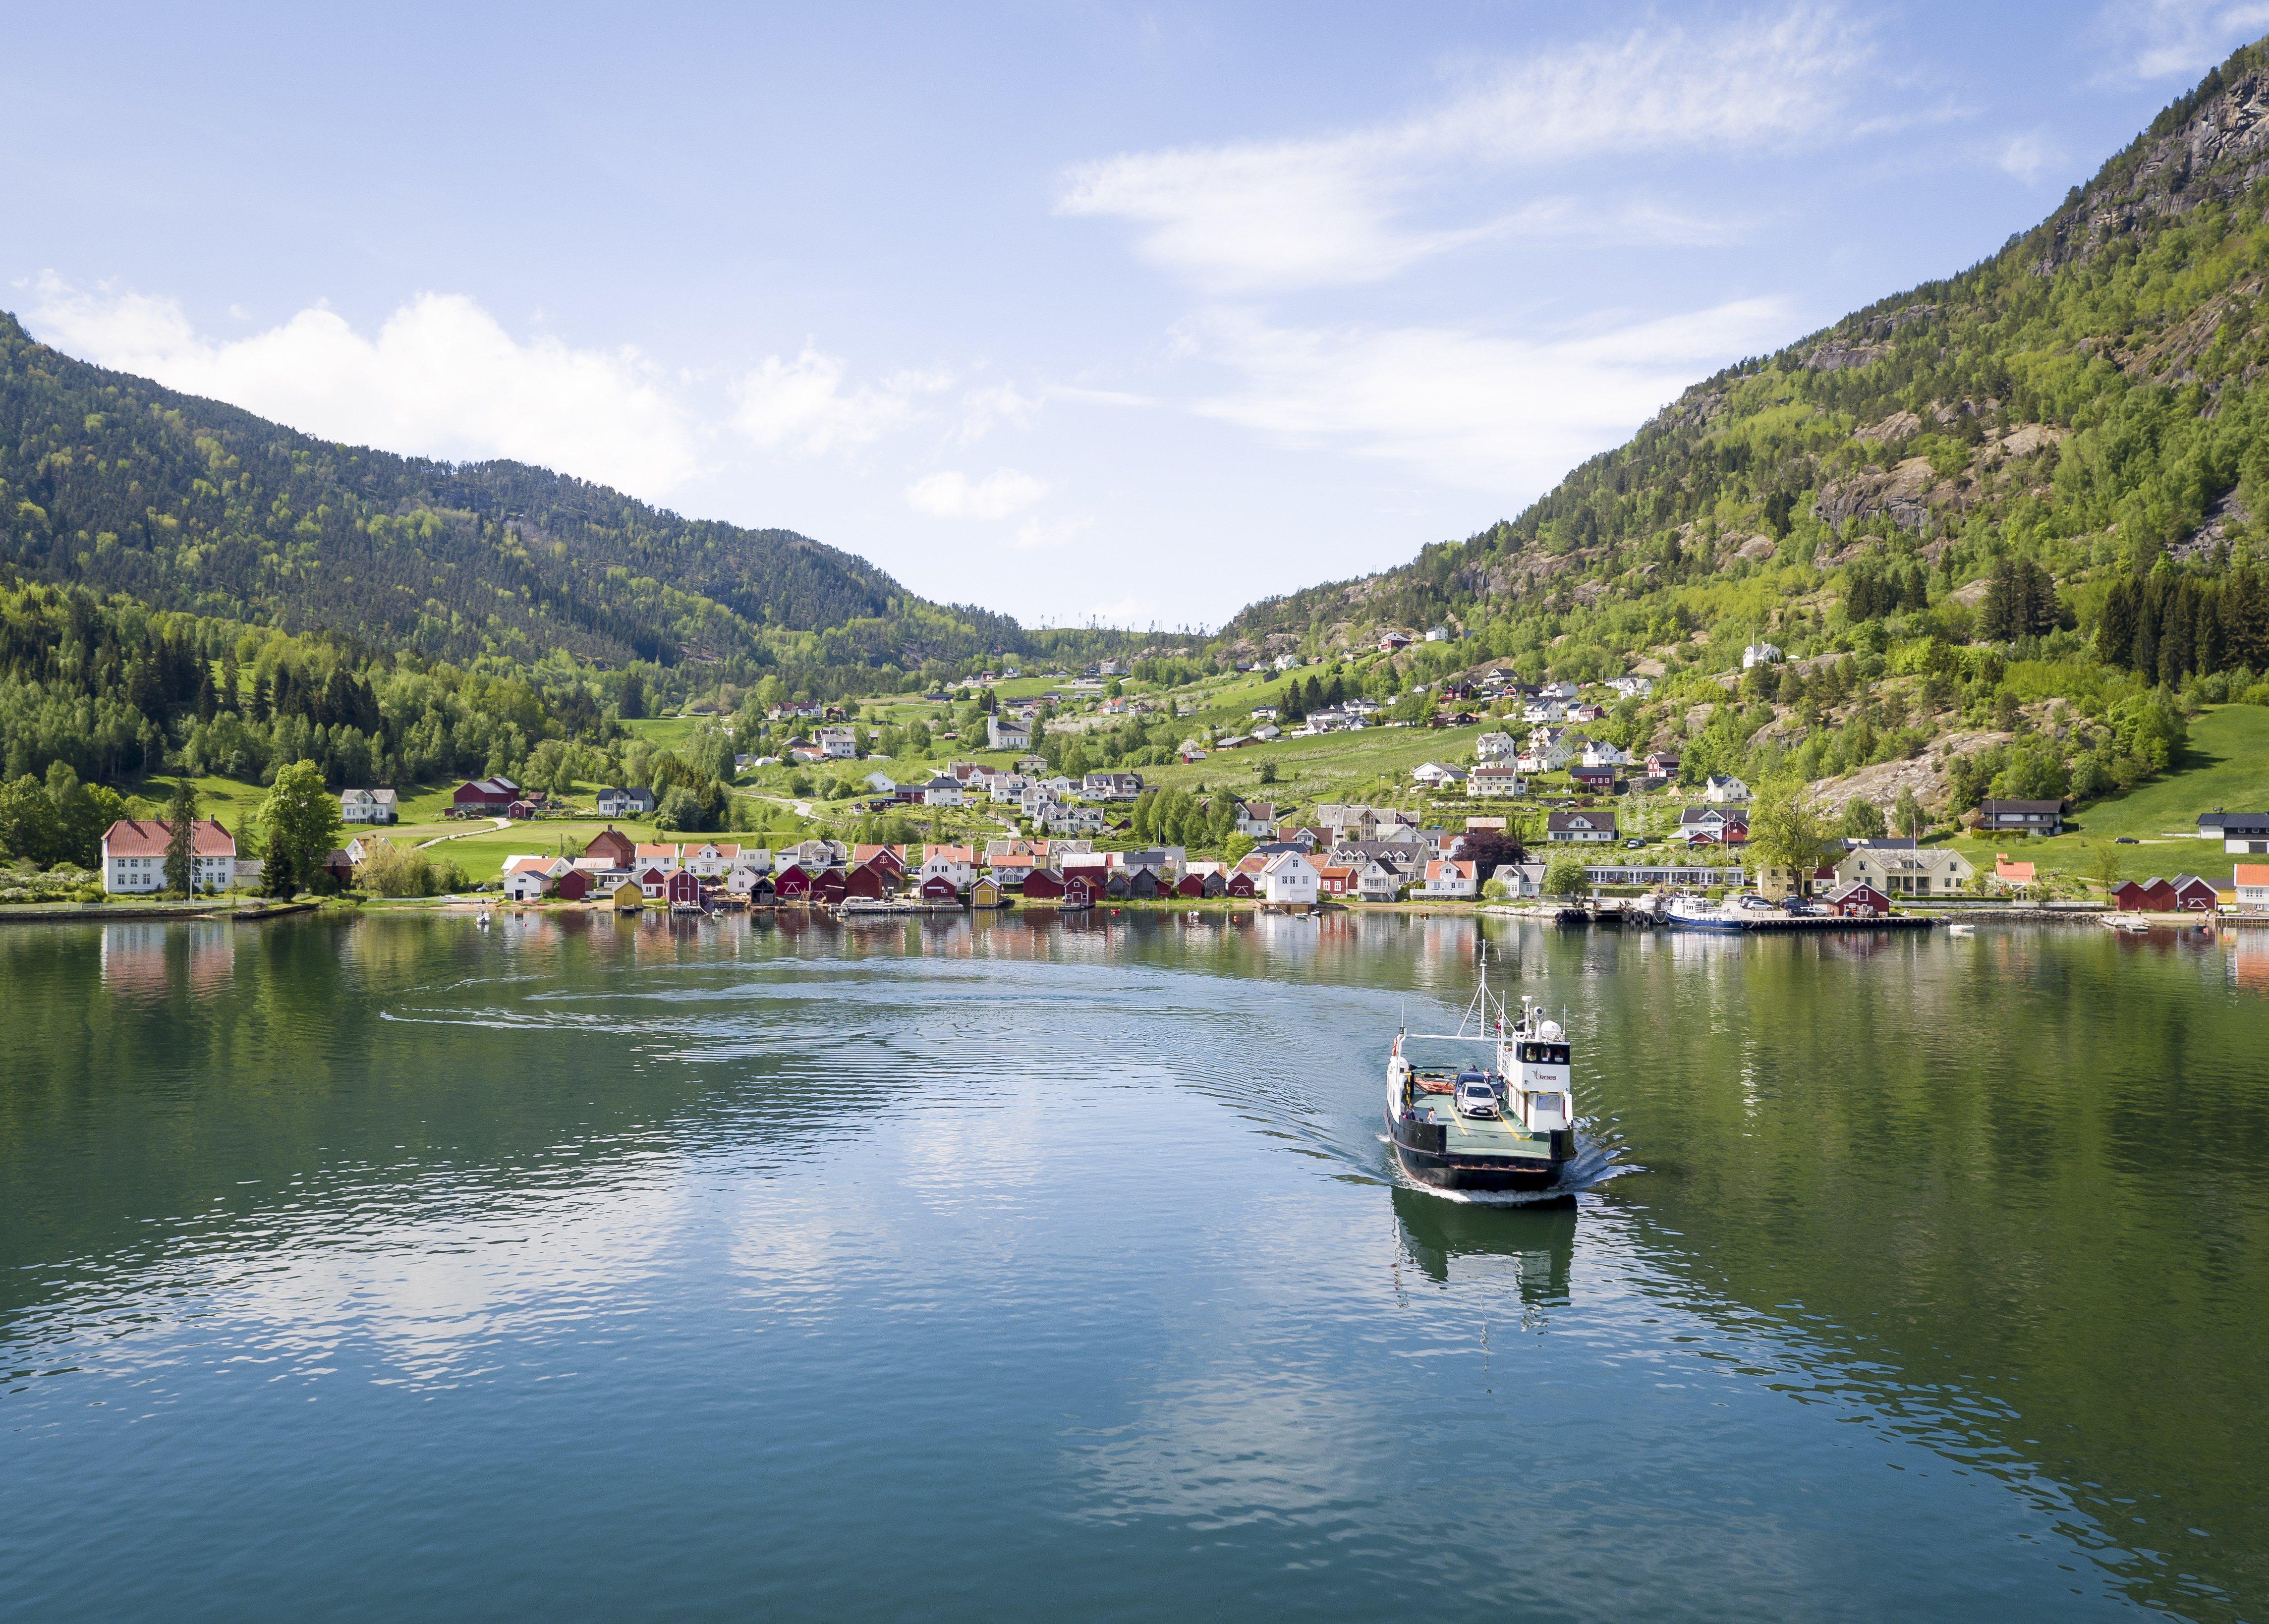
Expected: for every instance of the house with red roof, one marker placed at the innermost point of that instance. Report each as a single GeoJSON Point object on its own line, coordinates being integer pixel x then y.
{"type": "Point", "coordinates": [134, 855]}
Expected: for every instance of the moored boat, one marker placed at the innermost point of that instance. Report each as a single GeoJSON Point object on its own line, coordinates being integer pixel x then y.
{"type": "Point", "coordinates": [1472, 1126]}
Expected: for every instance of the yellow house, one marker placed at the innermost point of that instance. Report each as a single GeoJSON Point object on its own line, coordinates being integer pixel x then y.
{"type": "Point", "coordinates": [628, 898]}
{"type": "Point", "coordinates": [986, 893]}
{"type": "Point", "coordinates": [1898, 868]}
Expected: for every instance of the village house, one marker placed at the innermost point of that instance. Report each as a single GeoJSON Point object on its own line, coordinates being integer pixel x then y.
{"type": "Point", "coordinates": [944, 790]}
{"type": "Point", "coordinates": [1631, 687]}
{"type": "Point", "coordinates": [1857, 899]}
{"type": "Point", "coordinates": [366, 806]}
{"type": "Point", "coordinates": [1450, 878]}
{"type": "Point", "coordinates": [817, 854]}
{"type": "Point", "coordinates": [1760, 654]}
{"type": "Point", "coordinates": [837, 743]}
{"type": "Point", "coordinates": [2244, 834]}
{"type": "Point", "coordinates": [1899, 867]}
{"type": "Point", "coordinates": [709, 861]}
{"type": "Point", "coordinates": [134, 855]}
{"type": "Point", "coordinates": [1721, 789]}
{"type": "Point", "coordinates": [957, 864]}
{"type": "Point", "coordinates": [1494, 780]}
{"type": "Point", "coordinates": [1112, 786]}
{"type": "Point", "coordinates": [1600, 753]}
{"type": "Point", "coordinates": [1258, 819]}
{"type": "Point", "coordinates": [1438, 775]}
{"type": "Point", "coordinates": [1378, 881]}
{"type": "Point", "coordinates": [1495, 748]}
{"type": "Point", "coordinates": [1579, 826]}
{"type": "Point", "coordinates": [613, 847]}
{"type": "Point", "coordinates": [1071, 820]}
{"type": "Point", "coordinates": [1712, 826]}
{"type": "Point", "coordinates": [1662, 765]}
{"type": "Point", "coordinates": [1675, 876]}
{"type": "Point", "coordinates": [527, 885]}
{"type": "Point", "coordinates": [615, 802]}
{"type": "Point", "coordinates": [2020, 818]}
{"type": "Point", "coordinates": [1291, 879]}
{"type": "Point", "coordinates": [1599, 780]}
{"type": "Point", "coordinates": [2250, 883]}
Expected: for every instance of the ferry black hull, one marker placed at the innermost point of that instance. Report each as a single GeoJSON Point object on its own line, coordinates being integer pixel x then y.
{"type": "Point", "coordinates": [1441, 1171]}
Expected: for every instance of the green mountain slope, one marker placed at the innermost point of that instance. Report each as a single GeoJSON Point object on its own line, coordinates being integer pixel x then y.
{"type": "Point", "coordinates": [115, 484]}
{"type": "Point", "coordinates": [2085, 402]}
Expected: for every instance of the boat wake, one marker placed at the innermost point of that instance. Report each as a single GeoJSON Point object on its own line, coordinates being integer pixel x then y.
{"type": "Point", "coordinates": [1593, 1164]}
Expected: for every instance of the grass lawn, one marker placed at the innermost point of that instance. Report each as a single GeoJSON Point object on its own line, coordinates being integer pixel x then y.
{"type": "Point", "coordinates": [2226, 764]}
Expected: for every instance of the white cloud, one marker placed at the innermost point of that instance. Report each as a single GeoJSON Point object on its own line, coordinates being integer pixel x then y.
{"type": "Point", "coordinates": [1035, 532]}
{"type": "Point", "coordinates": [1335, 209]}
{"type": "Point", "coordinates": [985, 410]}
{"type": "Point", "coordinates": [2161, 38]}
{"type": "Point", "coordinates": [1505, 415]}
{"type": "Point", "coordinates": [442, 377]}
{"type": "Point", "coordinates": [949, 495]}
{"type": "Point", "coordinates": [2027, 153]}
{"type": "Point", "coordinates": [802, 406]}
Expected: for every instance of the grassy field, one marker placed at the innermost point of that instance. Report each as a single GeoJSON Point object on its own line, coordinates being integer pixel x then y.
{"type": "Point", "coordinates": [2226, 765]}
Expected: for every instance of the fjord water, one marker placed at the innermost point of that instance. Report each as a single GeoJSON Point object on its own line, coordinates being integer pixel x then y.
{"type": "Point", "coordinates": [585, 1268]}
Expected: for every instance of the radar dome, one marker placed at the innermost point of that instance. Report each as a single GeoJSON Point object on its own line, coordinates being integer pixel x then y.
{"type": "Point", "coordinates": [1550, 1031]}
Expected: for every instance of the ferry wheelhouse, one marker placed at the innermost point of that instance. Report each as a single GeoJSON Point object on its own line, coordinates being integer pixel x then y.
{"type": "Point", "coordinates": [1509, 1125]}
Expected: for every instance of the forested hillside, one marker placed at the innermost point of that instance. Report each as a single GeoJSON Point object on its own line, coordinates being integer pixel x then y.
{"type": "Point", "coordinates": [110, 484]}
{"type": "Point", "coordinates": [2083, 409]}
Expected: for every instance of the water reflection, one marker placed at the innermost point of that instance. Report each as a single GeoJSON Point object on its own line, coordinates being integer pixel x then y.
{"type": "Point", "coordinates": [1123, 1170]}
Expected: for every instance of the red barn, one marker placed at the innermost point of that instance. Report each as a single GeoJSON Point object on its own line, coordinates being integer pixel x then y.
{"type": "Point", "coordinates": [575, 886]}
{"type": "Point", "coordinates": [522, 809]}
{"type": "Point", "coordinates": [1192, 885]}
{"type": "Point", "coordinates": [2192, 895]}
{"type": "Point", "coordinates": [490, 795]}
{"type": "Point", "coordinates": [937, 888]}
{"type": "Point", "coordinates": [1044, 885]}
{"type": "Point", "coordinates": [864, 881]}
{"type": "Point", "coordinates": [613, 845]}
{"type": "Point", "coordinates": [685, 889]}
{"type": "Point", "coordinates": [1077, 893]}
{"type": "Point", "coordinates": [1240, 884]}
{"type": "Point", "coordinates": [652, 882]}
{"type": "Point", "coordinates": [2151, 895]}
{"type": "Point", "coordinates": [1594, 777]}
{"type": "Point", "coordinates": [793, 884]}
{"type": "Point", "coordinates": [829, 887]}
{"type": "Point", "coordinates": [1857, 900]}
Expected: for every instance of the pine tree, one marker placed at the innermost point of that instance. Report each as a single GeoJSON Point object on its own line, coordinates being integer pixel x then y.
{"type": "Point", "coordinates": [261, 709]}
{"type": "Point", "coordinates": [180, 837]}
{"type": "Point", "coordinates": [2115, 632]}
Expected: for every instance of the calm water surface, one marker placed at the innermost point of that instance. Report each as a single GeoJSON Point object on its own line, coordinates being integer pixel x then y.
{"type": "Point", "coordinates": [592, 1269]}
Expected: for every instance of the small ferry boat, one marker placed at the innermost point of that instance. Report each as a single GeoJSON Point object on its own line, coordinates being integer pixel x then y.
{"type": "Point", "coordinates": [1507, 1125]}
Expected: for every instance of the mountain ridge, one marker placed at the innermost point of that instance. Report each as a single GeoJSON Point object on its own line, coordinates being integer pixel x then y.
{"type": "Point", "coordinates": [118, 484]}
{"type": "Point", "coordinates": [2206, 152]}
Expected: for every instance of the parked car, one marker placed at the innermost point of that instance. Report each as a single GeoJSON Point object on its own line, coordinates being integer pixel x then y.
{"type": "Point", "coordinates": [2126, 840]}
{"type": "Point", "coordinates": [1633, 846]}
{"type": "Point", "coordinates": [1475, 1097]}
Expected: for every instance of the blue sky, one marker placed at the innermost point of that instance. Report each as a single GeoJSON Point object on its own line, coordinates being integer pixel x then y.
{"type": "Point", "coordinates": [1073, 311]}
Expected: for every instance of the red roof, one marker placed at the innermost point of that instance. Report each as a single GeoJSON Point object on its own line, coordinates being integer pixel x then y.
{"type": "Point", "coordinates": [147, 837]}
